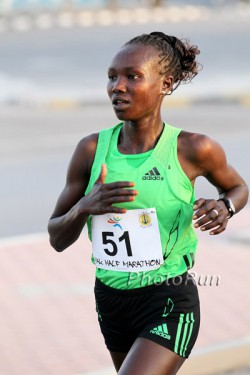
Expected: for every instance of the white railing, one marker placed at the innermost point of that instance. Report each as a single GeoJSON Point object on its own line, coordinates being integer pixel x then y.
{"type": "Point", "coordinates": [37, 5]}
{"type": "Point", "coordinates": [16, 6]}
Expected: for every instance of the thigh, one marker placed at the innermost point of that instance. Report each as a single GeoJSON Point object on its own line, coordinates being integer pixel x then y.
{"type": "Point", "coordinates": [147, 357]}
{"type": "Point", "coordinates": [118, 359]}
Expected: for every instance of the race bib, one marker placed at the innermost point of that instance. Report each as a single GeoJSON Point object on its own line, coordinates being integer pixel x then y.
{"type": "Point", "coordinates": [127, 242]}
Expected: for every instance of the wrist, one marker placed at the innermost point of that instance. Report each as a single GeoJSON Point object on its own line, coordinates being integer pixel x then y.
{"type": "Point", "coordinates": [83, 208]}
{"type": "Point", "coordinates": [229, 206]}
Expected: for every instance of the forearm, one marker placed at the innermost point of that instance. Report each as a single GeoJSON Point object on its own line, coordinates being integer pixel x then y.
{"type": "Point", "coordinates": [65, 230]}
{"type": "Point", "coordinates": [238, 195]}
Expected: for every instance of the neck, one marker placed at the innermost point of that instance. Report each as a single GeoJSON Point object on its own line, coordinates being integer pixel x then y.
{"type": "Point", "coordinates": [139, 137]}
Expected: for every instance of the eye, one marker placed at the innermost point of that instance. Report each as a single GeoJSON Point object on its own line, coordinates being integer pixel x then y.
{"type": "Point", "coordinates": [111, 77]}
{"type": "Point", "coordinates": [133, 76]}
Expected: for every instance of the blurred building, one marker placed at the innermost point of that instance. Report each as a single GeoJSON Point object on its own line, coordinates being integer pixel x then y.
{"type": "Point", "coordinates": [8, 6]}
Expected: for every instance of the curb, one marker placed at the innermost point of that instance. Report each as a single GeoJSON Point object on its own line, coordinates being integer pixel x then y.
{"type": "Point", "coordinates": [213, 361]}
{"type": "Point", "coordinates": [57, 104]}
{"type": "Point", "coordinates": [241, 100]}
{"type": "Point", "coordinates": [220, 358]}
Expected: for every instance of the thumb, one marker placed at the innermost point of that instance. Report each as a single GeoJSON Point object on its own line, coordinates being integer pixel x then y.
{"type": "Point", "coordinates": [103, 174]}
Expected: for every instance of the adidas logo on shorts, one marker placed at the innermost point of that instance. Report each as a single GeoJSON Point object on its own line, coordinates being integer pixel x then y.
{"type": "Point", "coordinates": [162, 331]}
{"type": "Point", "coordinates": [153, 174]}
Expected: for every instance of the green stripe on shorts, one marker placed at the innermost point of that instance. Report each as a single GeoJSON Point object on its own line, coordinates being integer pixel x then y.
{"type": "Point", "coordinates": [190, 332]}
{"type": "Point", "coordinates": [184, 332]}
{"type": "Point", "coordinates": [178, 333]}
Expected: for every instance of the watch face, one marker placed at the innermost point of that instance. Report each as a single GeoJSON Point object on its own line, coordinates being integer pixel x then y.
{"type": "Point", "coordinates": [231, 206]}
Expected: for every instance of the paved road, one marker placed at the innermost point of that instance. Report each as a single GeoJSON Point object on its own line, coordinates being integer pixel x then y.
{"type": "Point", "coordinates": [245, 371]}
{"type": "Point", "coordinates": [36, 144]}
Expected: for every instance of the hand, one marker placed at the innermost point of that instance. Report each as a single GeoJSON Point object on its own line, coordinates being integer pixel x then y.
{"type": "Point", "coordinates": [210, 214]}
{"type": "Point", "coordinates": [101, 198]}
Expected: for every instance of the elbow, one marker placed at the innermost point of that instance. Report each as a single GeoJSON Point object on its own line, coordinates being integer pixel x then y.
{"type": "Point", "coordinates": [243, 198]}
{"type": "Point", "coordinates": [57, 245]}
{"type": "Point", "coordinates": [55, 240]}
{"type": "Point", "coordinates": [247, 192]}
{"type": "Point", "coordinates": [60, 239]}
{"type": "Point", "coordinates": [245, 195]}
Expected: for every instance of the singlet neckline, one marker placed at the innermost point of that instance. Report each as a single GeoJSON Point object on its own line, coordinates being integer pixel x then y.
{"type": "Point", "coordinates": [131, 156]}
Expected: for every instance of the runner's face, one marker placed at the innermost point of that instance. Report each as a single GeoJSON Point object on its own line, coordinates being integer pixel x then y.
{"type": "Point", "coordinates": [135, 84]}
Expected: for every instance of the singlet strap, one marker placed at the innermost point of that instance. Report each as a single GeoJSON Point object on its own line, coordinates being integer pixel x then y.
{"type": "Point", "coordinates": [164, 149]}
{"type": "Point", "coordinates": [103, 145]}
{"type": "Point", "coordinates": [100, 154]}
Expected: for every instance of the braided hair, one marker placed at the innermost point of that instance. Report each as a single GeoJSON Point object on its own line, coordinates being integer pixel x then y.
{"type": "Point", "coordinates": [176, 57]}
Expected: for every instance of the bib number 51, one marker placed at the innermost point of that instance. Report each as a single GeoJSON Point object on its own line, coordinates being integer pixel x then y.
{"type": "Point", "coordinates": [107, 240]}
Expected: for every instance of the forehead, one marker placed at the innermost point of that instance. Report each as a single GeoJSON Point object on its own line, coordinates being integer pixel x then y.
{"type": "Point", "coordinates": [135, 55]}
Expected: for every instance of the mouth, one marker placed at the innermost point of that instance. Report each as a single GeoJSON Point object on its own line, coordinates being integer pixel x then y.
{"type": "Point", "coordinates": [119, 103]}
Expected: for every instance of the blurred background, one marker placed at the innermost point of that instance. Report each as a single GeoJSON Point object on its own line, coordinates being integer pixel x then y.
{"type": "Point", "coordinates": [54, 56]}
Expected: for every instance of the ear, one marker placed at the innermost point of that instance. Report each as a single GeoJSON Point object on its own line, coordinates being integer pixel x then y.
{"type": "Point", "coordinates": [167, 84]}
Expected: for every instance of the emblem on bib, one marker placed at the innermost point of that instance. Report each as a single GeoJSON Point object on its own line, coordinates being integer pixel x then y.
{"type": "Point", "coordinates": [115, 221]}
{"type": "Point", "coordinates": [145, 220]}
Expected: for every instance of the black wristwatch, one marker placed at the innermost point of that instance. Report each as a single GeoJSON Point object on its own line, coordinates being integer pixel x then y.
{"type": "Point", "coordinates": [229, 206]}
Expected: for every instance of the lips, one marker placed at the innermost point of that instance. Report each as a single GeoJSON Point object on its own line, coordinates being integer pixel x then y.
{"type": "Point", "coordinates": [119, 103]}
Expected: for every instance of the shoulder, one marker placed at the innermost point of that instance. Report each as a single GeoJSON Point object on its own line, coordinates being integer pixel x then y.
{"type": "Point", "coordinates": [88, 144]}
{"type": "Point", "coordinates": [201, 150]}
{"type": "Point", "coordinates": [83, 156]}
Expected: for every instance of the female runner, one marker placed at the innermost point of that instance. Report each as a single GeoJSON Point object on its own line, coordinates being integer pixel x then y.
{"type": "Point", "coordinates": [133, 184]}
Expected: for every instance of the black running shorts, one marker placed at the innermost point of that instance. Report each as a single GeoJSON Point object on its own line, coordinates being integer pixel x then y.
{"type": "Point", "coordinates": [167, 314]}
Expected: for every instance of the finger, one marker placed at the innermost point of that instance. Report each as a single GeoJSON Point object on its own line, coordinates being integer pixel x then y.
{"type": "Point", "coordinates": [218, 226]}
{"type": "Point", "coordinates": [213, 224]}
{"type": "Point", "coordinates": [120, 199]}
{"type": "Point", "coordinates": [119, 184]}
{"type": "Point", "coordinates": [205, 208]}
{"type": "Point", "coordinates": [118, 210]}
{"type": "Point", "coordinates": [119, 192]}
{"type": "Point", "coordinates": [218, 230]}
{"type": "Point", "coordinates": [198, 203]}
{"type": "Point", "coordinates": [209, 217]}
{"type": "Point", "coordinates": [112, 209]}
{"type": "Point", "coordinates": [103, 174]}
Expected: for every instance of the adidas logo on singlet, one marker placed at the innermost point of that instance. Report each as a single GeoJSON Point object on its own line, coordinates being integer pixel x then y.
{"type": "Point", "coordinates": [153, 174]}
{"type": "Point", "coordinates": [162, 331]}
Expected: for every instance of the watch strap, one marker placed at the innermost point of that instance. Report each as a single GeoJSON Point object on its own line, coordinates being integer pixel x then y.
{"type": "Point", "coordinates": [229, 205]}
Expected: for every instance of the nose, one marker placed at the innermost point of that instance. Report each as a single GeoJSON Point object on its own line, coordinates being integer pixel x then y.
{"type": "Point", "coordinates": [119, 85]}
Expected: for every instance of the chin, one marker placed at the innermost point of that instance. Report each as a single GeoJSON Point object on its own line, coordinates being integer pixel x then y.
{"type": "Point", "coordinates": [121, 115]}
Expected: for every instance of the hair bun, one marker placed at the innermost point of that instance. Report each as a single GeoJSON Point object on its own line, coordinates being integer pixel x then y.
{"type": "Point", "coordinates": [185, 53]}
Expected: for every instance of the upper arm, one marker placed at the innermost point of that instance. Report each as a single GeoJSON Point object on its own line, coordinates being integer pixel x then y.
{"type": "Point", "coordinates": [212, 162]}
{"type": "Point", "coordinates": [78, 175]}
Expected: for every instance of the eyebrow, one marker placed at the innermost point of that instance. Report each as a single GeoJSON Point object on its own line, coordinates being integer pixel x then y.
{"type": "Point", "coordinates": [128, 68]}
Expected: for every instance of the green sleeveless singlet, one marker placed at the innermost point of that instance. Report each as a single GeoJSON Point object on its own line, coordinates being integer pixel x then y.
{"type": "Point", "coordinates": [161, 183]}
